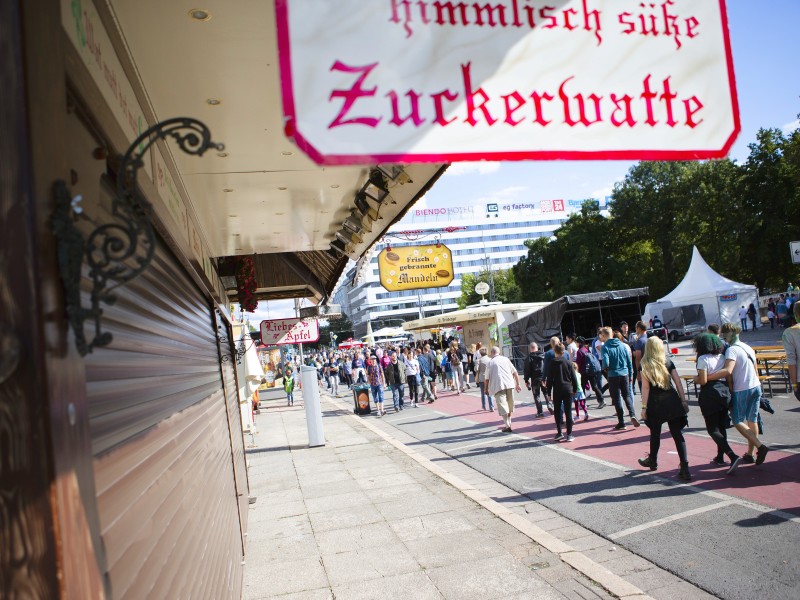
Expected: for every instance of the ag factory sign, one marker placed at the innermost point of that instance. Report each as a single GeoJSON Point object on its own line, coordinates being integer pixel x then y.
{"type": "Point", "coordinates": [366, 81]}
{"type": "Point", "coordinates": [415, 267]}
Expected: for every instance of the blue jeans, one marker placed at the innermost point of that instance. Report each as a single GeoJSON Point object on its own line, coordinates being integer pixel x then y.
{"type": "Point", "coordinates": [619, 390]}
{"type": "Point", "coordinates": [485, 396]}
{"type": "Point", "coordinates": [397, 394]}
{"type": "Point", "coordinates": [377, 394]}
{"type": "Point", "coordinates": [290, 398]}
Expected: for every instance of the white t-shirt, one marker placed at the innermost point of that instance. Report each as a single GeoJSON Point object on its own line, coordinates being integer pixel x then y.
{"type": "Point", "coordinates": [573, 351]}
{"type": "Point", "coordinates": [500, 374]}
{"type": "Point", "coordinates": [710, 363]}
{"type": "Point", "coordinates": [745, 376]}
{"type": "Point", "coordinates": [742, 313]}
{"type": "Point", "coordinates": [598, 346]}
{"type": "Point", "coordinates": [412, 366]}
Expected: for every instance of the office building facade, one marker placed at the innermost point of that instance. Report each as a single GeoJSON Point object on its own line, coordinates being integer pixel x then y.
{"type": "Point", "coordinates": [491, 236]}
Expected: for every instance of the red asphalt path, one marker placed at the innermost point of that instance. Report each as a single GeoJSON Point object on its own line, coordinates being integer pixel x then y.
{"type": "Point", "coordinates": [776, 483]}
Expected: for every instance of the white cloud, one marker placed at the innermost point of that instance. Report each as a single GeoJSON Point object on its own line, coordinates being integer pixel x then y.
{"type": "Point", "coordinates": [274, 309]}
{"type": "Point", "coordinates": [790, 127]}
{"type": "Point", "coordinates": [472, 168]}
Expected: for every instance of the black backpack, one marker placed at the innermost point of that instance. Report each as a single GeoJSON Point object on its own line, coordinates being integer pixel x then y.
{"type": "Point", "coordinates": [536, 361]}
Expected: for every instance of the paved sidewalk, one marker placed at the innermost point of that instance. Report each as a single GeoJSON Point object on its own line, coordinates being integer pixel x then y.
{"type": "Point", "coordinates": [368, 517]}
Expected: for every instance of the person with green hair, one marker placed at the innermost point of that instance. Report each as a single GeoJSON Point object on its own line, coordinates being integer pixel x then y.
{"type": "Point", "coordinates": [714, 397]}
{"type": "Point", "coordinates": [740, 366]}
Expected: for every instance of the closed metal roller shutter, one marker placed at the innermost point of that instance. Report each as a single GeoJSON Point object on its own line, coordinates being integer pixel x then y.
{"type": "Point", "coordinates": [234, 419]}
{"type": "Point", "coordinates": [165, 444]}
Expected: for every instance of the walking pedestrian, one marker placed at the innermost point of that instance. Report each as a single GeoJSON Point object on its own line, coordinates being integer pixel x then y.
{"type": "Point", "coordinates": [424, 362]}
{"type": "Point", "coordinates": [333, 375]}
{"type": "Point", "coordinates": [589, 368]}
{"type": "Point", "coordinates": [580, 396]}
{"type": "Point", "coordinates": [288, 385]}
{"type": "Point", "coordinates": [412, 378]}
{"type": "Point", "coordinates": [347, 367]}
{"type": "Point", "coordinates": [663, 401]}
{"type": "Point", "coordinates": [454, 356]}
{"type": "Point", "coordinates": [533, 373]}
{"type": "Point", "coordinates": [743, 318]}
{"type": "Point", "coordinates": [376, 381]}
{"type": "Point", "coordinates": [562, 385]}
{"type": "Point", "coordinates": [714, 397]}
{"type": "Point", "coordinates": [359, 368]}
{"type": "Point", "coordinates": [791, 344]}
{"type": "Point", "coordinates": [549, 356]}
{"type": "Point", "coordinates": [503, 381]}
{"type": "Point", "coordinates": [752, 312]}
{"type": "Point", "coordinates": [480, 377]}
{"type": "Point", "coordinates": [395, 376]}
{"type": "Point", "coordinates": [740, 365]}
{"type": "Point", "coordinates": [638, 350]}
{"type": "Point", "coordinates": [617, 362]}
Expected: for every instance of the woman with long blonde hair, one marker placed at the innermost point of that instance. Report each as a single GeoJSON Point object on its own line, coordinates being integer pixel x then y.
{"type": "Point", "coordinates": [663, 401]}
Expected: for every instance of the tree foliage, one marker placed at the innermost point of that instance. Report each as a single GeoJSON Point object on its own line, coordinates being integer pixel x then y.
{"type": "Point", "coordinates": [506, 289]}
{"type": "Point", "coordinates": [740, 217]}
{"type": "Point", "coordinates": [341, 327]}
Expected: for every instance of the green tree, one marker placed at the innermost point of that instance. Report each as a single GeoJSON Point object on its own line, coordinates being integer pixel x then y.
{"type": "Point", "coordinates": [506, 289]}
{"type": "Point", "coordinates": [770, 218]}
{"type": "Point", "coordinates": [341, 327]}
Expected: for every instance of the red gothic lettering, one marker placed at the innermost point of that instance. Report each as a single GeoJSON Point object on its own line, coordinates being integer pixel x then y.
{"type": "Point", "coordinates": [628, 120]}
{"type": "Point", "coordinates": [350, 96]}
{"type": "Point", "coordinates": [520, 101]}
{"type": "Point", "coordinates": [587, 16]}
{"type": "Point", "coordinates": [490, 10]}
{"type": "Point", "coordinates": [581, 107]}
{"type": "Point", "coordinates": [395, 18]}
{"type": "Point", "coordinates": [438, 106]}
{"type": "Point", "coordinates": [691, 24]}
{"type": "Point", "coordinates": [537, 103]}
{"type": "Point", "coordinates": [668, 97]}
{"type": "Point", "coordinates": [544, 14]}
{"type": "Point", "coordinates": [451, 7]}
{"type": "Point", "coordinates": [567, 24]}
{"type": "Point", "coordinates": [630, 26]}
{"type": "Point", "coordinates": [470, 96]}
{"type": "Point", "coordinates": [690, 112]}
{"type": "Point", "coordinates": [648, 96]}
{"type": "Point", "coordinates": [414, 116]}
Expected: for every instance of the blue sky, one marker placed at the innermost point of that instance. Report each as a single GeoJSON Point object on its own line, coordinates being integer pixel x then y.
{"type": "Point", "coordinates": [766, 46]}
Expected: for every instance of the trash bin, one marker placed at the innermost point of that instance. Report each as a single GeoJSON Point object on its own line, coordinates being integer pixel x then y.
{"type": "Point", "coordinates": [361, 399]}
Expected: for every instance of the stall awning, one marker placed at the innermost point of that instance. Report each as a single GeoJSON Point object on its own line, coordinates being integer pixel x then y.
{"type": "Point", "coordinates": [467, 315]}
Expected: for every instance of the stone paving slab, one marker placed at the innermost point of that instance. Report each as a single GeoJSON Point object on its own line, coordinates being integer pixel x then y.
{"type": "Point", "coordinates": [593, 554]}
{"type": "Point", "coordinates": [359, 518]}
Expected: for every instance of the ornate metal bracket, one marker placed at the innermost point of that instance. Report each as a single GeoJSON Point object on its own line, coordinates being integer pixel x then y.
{"type": "Point", "coordinates": [116, 252]}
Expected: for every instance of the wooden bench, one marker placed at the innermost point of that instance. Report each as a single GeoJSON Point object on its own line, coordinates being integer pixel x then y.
{"type": "Point", "coordinates": [758, 349]}
{"type": "Point", "coordinates": [689, 379]}
{"type": "Point", "coordinates": [769, 379]}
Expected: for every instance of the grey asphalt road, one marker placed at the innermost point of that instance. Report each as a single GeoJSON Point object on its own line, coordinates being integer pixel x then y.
{"type": "Point", "coordinates": [731, 548]}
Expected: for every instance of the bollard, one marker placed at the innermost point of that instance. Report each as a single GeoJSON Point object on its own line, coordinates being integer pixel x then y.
{"type": "Point", "coordinates": [316, 433]}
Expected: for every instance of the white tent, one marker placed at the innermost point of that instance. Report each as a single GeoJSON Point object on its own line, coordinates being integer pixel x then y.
{"type": "Point", "coordinates": [721, 297]}
{"type": "Point", "coordinates": [386, 332]}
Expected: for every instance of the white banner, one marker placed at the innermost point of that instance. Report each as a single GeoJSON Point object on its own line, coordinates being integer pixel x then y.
{"type": "Point", "coordinates": [289, 331]}
{"type": "Point", "coordinates": [367, 81]}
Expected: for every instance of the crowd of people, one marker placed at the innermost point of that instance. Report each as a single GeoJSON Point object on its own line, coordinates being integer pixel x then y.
{"type": "Point", "coordinates": [563, 376]}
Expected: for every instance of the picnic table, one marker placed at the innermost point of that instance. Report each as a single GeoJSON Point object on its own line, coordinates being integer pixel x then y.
{"type": "Point", "coordinates": [762, 349]}
{"type": "Point", "coordinates": [772, 359]}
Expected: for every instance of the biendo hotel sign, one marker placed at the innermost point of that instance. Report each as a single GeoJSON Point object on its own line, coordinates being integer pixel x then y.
{"type": "Point", "coordinates": [415, 267]}
{"type": "Point", "coordinates": [368, 81]}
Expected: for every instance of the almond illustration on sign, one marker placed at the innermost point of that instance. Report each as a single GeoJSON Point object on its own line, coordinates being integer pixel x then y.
{"type": "Point", "coordinates": [443, 273]}
{"type": "Point", "coordinates": [392, 257]}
